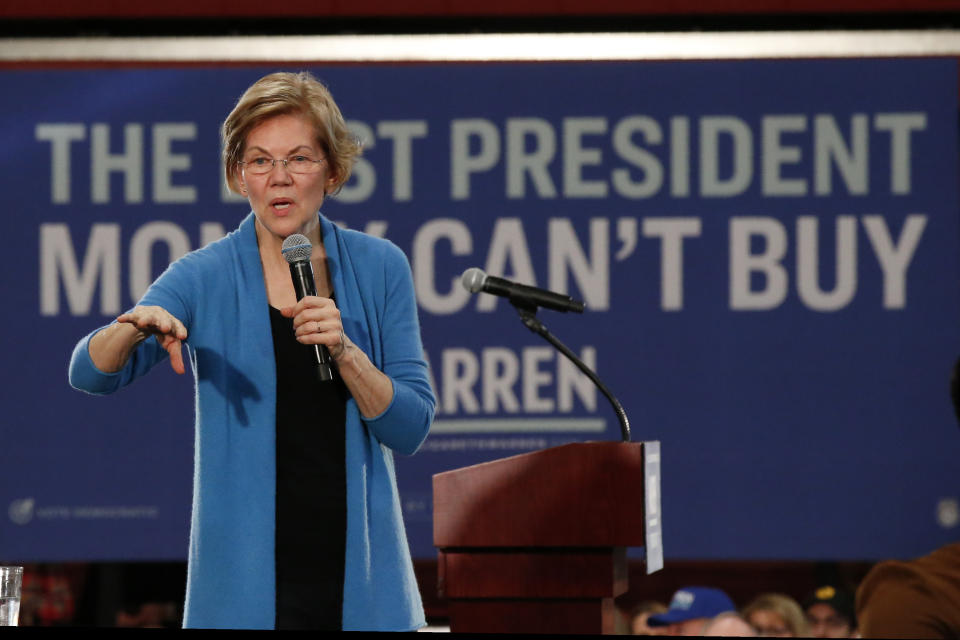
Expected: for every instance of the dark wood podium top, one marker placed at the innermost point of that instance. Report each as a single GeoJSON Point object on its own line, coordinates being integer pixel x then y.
{"type": "Point", "coordinates": [588, 494]}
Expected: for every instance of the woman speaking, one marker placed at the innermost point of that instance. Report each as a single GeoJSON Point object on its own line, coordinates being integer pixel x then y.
{"type": "Point", "coordinates": [296, 520]}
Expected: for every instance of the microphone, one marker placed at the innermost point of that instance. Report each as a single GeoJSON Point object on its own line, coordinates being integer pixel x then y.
{"type": "Point", "coordinates": [296, 251]}
{"type": "Point", "coordinates": [520, 295]}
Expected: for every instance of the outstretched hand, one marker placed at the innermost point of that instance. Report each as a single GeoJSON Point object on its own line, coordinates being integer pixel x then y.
{"type": "Point", "coordinates": [158, 322]}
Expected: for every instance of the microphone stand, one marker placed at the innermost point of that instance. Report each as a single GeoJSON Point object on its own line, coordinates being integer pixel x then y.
{"type": "Point", "coordinates": [528, 315]}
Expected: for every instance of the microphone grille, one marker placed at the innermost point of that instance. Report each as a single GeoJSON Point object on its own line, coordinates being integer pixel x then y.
{"type": "Point", "coordinates": [296, 247]}
{"type": "Point", "coordinates": [473, 279]}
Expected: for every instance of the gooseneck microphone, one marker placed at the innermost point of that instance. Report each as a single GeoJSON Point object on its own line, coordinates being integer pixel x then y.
{"type": "Point", "coordinates": [296, 251]}
{"type": "Point", "coordinates": [520, 295]}
{"type": "Point", "coordinates": [526, 300]}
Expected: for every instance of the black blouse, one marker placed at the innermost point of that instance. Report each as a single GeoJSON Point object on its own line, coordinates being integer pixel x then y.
{"type": "Point", "coordinates": [311, 517]}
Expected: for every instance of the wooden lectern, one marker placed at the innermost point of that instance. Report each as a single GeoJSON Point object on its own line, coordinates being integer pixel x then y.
{"type": "Point", "coordinates": [536, 543]}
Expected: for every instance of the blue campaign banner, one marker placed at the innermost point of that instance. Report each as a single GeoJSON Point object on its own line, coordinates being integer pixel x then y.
{"type": "Point", "coordinates": [767, 251]}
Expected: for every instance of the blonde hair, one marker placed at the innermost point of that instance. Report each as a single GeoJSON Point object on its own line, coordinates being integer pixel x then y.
{"type": "Point", "coordinates": [282, 94]}
{"type": "Point", "coordinates": [784, 606]}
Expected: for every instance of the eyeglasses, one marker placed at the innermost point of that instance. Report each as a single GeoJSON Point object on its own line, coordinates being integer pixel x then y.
{"type": "Point", "coordinates": [294, 164]}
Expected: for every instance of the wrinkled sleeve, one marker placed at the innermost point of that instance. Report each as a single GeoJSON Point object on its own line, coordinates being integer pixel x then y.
{"type": "Point", "coordinates": [172, 291]}
{"type": "Point", "coordinates": [404, 424]}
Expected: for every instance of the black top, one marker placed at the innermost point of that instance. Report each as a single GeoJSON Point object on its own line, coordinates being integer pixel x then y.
{"type": "Point", "coordinates": [311, 518]}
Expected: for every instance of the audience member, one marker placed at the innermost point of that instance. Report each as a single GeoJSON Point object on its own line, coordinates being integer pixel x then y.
{"type": "Point", "coordinates": [830, 613]}
{"type": "Point", "coordinates": [639, 615]}
{"type": "Point", "coordinates": [691, 608]}
{"type": "Point", "coordinates": [914, 599]}
{"type": "Point", "coordinates": [47, 597]}
{"type": "Point", "coordinates": [776, 615]}
{"type": "Point", "coordinates": [729, 625]}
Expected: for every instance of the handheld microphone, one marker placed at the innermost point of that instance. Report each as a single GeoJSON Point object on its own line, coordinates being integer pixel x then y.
{"type": "Point", "coordinates": [296, 251]}
{"type": "Point", "coordinates": [475, 280]}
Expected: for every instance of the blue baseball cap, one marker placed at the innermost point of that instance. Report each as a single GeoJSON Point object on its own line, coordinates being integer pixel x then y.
{"type": "Point", "coordinates": [693, 602]}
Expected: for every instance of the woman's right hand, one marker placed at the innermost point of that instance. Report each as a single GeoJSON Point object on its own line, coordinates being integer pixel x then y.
{"type": "Point", "coordinates": [160, 323]}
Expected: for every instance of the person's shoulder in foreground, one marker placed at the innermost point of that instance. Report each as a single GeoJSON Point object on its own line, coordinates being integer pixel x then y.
{"type": "Point", "coordinates": [912, 599]}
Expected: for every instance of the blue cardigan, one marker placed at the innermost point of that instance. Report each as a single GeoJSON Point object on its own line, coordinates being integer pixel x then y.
{"type": "Point", "coordinates": [218, 293]}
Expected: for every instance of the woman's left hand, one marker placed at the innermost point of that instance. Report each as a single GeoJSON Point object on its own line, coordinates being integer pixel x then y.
{"type": "Point", "coordinates": [316, 320]}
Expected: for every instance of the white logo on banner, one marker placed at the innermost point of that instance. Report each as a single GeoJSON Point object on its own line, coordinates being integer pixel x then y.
{"type": "Point", "coordinates": [21, 511]}
{"type": "Point", "coordinates": [948, 513]}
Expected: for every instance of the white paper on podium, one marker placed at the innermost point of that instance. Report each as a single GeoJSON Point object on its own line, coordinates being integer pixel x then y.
{"type": "Point", "coordinates": [653, 525]}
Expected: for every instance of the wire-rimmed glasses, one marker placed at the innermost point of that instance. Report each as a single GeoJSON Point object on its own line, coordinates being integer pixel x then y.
{"type": "Point", "coordinates": [294, 164]}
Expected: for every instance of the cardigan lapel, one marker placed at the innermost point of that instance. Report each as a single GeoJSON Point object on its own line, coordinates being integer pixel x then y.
{"type": "Point", "coordinates": [345, 287]}
{"type": "Point", "coordinates": [253, 292]}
